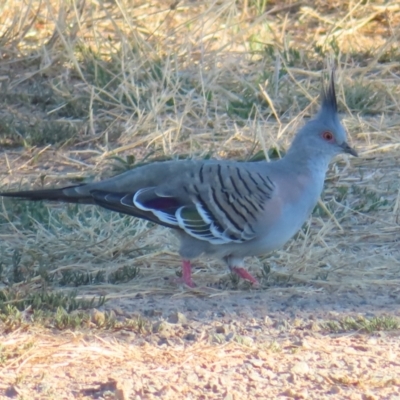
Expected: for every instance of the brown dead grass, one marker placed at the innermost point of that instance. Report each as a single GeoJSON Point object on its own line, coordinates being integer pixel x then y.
{"type": "Point", "coordinates": [300, 367]}
{"type": "Point", "coordinates": [84, 81]}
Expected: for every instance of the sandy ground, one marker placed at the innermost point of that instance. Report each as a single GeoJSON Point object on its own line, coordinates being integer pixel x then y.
{"type": "Point", "coordinates": [237, 345]}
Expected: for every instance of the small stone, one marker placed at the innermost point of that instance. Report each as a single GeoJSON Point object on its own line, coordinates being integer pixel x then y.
{"type": "Point", "coordinates": [220, 329]}
{"type": "Point", "coordinates": [319, 379]}
{"type": "Point", "coordinates": [98, 317]}
{"type": "Point", "coordinates": [256, 363]}
{"type": "Point", "coordinates": [163, 342]}
{"type": "Point", "coordinates": [123, 390]}
{"type": "Point", "coordinates": [245, 340]}
{"type": "Point", "coordinates": [152, 313]}
{"type": "Point", "coordinates": [302, 343]}
{"type": "Point", "coordinates": [297, 322]}
{"type": "Point", "coordinates": [159, 326]}
{"type": "Point", "coordinates": [253, 376]}
{"type": "Point", "coordinates": [335, 390]}
{"type": "Point", "coordinates": [128, 334]}
{"type": "Point", "coordinates": [11, 392]}
{"type": "Point", "coordinates": [269, 374]}
{"type": "Point", "coordinates": [192, 379]}
{"type": "Point", "coordinates": [369, 396]}
{"type": "Point", "coordinates": [314, 326]}
{"type": "Point", "coordinates": [361, 348]}
{"type": "Point", "coordinates": [303, 394]}
{"type": "Point", "coordinates": [177, 318]}
{"type": "Point", "coordinates": [268, 321]}
{"type": "Point", "coordinates": [190, 336]}
{"type": "Point", "coordinates": [119, 311]}
{"type": "Point", "coordinates": [282, 324]}
{"type": "Point", "coordinates": [301, 368]}
{"type": "Point", "coordinates": [290, 393]}
{"type": "Point", "coordinates": [294, 394]}
{"type": "Point", "coordinates": [218, 338]}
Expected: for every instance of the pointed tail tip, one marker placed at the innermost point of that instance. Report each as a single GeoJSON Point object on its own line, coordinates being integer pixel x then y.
{"type": "Point", "coordinates": [33, 195]}
{"type": "Point", "coordinates": [48, 195]}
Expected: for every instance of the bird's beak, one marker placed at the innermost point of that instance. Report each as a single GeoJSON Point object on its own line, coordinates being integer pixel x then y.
{"type": "Point", "coordinates": [348, 149]}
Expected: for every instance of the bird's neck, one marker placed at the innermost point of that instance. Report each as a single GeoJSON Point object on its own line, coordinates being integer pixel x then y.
{"type": "Point", "coordinates": [310, 160]}
{"type": "Point", "coordinates": [309, 168]}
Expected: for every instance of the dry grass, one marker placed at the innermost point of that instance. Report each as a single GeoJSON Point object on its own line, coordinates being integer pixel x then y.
{"type": "Point", "coordinates": [127, 371]}
{"type": "Point", "coordinates": [90, 88]}
{"type": "Point", "coordinates": [86, 82]}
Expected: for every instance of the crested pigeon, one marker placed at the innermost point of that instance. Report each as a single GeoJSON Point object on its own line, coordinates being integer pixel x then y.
{"type": "Point", "coordinates": [225, 209]}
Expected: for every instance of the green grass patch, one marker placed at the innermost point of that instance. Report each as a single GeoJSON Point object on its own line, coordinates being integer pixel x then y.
{"type": "Point", "coordinates": [362, 324]}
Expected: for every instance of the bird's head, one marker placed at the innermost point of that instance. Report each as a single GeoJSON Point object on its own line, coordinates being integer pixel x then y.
{"type": "Point", "coordinates": [324, 134]}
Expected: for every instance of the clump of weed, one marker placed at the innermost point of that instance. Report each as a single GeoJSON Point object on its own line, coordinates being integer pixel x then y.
{"type": "Point", "coordinates": [46, 300]}
{"type": "Point", "coordinates": [363, 324]}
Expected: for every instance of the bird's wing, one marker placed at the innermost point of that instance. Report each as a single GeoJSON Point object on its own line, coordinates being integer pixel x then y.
{"type": "Point", "coordinates": [211, 201]}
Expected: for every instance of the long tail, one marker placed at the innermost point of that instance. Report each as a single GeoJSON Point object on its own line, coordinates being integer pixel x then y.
{"type": "Point", "coordinates": [72, 194]}
{"type": "Point", "coordinates": [67, 195]}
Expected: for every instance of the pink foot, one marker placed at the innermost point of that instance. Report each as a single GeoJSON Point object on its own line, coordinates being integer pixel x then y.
{"type": "Point", "coordinates": [187, 273]}
{"type": "Point", "coordinates": [244, 274]}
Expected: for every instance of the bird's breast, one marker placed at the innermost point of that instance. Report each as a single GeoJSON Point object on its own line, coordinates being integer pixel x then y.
{"type": "Point", "coordinates": [287, 211]}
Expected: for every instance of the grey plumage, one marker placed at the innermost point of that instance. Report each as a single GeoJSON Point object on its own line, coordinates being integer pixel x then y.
{"type": "Point", "coordinates": [224, 208]}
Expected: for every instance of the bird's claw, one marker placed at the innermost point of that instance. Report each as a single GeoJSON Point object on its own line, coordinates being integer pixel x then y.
{"type": "Point", "coordinates": [244, 274]}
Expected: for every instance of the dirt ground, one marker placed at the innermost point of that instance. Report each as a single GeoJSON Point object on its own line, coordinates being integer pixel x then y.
{"type": "Point", "coordinates": [253, 345]}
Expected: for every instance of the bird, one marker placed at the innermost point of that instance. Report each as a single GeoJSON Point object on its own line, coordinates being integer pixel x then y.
{"type": "Point", "coordinates": [222, 208]}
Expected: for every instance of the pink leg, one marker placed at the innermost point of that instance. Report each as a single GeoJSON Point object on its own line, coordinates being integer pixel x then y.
{"type": "Point", "coordinates": [187, 273]}
{"type": "Point", "coordinates": [244, 274]}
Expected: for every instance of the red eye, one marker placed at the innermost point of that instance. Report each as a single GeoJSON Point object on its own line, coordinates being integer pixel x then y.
{"type": "Point", "coordinates": [328, 136]}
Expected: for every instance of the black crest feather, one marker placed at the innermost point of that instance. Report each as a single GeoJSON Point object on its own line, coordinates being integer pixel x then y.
{"type": "Point", "coordinates": [329, 96]}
